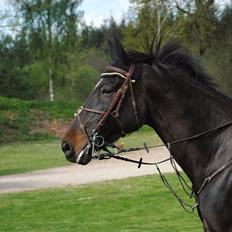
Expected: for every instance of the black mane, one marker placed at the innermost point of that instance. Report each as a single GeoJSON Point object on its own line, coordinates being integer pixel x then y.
{"type": "Point", "coordinates": [173, 57]}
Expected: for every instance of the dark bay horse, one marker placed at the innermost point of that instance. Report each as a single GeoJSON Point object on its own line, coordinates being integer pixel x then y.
{"type": "Point", "coordinates": [169, 91]}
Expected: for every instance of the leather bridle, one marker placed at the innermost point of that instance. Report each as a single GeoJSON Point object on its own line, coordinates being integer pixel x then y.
{"type": "Point", "coordinates": [115, 105]}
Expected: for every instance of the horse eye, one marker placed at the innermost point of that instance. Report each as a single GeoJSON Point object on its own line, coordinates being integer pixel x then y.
{"type": "Point", "coordinates": [106, 91]}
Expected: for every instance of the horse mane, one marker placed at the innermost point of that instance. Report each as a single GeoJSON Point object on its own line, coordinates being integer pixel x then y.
{"type": "Point", "coordinates": [174, 58]}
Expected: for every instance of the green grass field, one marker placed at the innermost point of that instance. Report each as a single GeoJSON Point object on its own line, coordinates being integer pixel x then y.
{"type": "Point", "coordinates": [35, 155]}
{"type": "Point", "coordinates": [29, 156]}
{"type": "Point", "coordinates": [140, 204]}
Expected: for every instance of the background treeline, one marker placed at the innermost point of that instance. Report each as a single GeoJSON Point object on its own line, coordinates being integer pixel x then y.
{"type": "Point", "coordinates": [47, 52]}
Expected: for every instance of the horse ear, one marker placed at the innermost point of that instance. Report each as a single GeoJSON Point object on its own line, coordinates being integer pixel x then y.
{"type": "Point", "coordinates": [112, 50]}
{"type": "Point", "coordinates": [117, 52]}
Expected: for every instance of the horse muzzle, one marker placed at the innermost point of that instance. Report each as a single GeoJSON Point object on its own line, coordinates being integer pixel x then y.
{"type": "Point", "coordinates": [83, 157]}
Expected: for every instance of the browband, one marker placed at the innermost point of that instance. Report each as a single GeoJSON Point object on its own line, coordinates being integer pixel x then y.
{"type": "Point", "coordinates": [113, 74]}
{"type": "Point", "coordinates": [134, 72]}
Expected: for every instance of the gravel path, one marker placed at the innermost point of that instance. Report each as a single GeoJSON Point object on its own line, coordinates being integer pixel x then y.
{"type": "Point", "coordinates": [74, 175]}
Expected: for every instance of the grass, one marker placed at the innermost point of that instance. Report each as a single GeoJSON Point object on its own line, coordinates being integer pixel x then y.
{"type": "Point", "coordinates": [58, 110]}
{"type": "Point", "coordinates": [23, 157]}
{"type": "Point", "coordinates": [30, 156]}
{"type": "Point", "coordinates": [132, 205]}
{"type": "Point", "coordinates": [138, 138]}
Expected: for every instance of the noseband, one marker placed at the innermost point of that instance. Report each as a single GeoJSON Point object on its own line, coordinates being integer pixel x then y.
{"type": "Point", "coordinates": [116, 103]}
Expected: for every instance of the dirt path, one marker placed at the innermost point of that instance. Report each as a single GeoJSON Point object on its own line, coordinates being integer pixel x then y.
{"type": "Point", "coordinates": [77, 175]}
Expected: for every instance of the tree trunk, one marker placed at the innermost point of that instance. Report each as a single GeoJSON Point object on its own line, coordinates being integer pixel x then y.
{"type": "Point", "coordinates": [51, 86]}
{"type": "Point", "coordinates": [50, 63]}
{"type": "Point", "coordinates": [158, 22]}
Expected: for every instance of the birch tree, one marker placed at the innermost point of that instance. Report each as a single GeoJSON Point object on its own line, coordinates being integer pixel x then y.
{"type": "Point", "coordinates": [46, 23]}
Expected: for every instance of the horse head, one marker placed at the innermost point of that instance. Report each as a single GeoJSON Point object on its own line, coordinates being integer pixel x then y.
{"type": "Point", "coordinates": [114, 108]}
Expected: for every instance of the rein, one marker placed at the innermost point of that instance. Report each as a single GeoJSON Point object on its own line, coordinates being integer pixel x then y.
{"type": "Point", "coordinates": [185, 186]}
{"type": "Point", "coordinates": [187, 189]}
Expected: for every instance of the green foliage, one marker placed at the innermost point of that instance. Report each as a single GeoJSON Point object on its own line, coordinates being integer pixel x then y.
{"type": "Point", "coordinates": [14, 119]}
{"type": "Point", "coordinates": [14, 104]}
{"type": "Point", "coordinates": [134, 204]}
{"type": "Point", "coordinates": [222, 53]}
{"type": "Point", "coordinates": [54, 44]}
{"type": "Point", "coordinates": [91, 37]}
{"type": "Point", "coordinates": [200, 24]}
{"type": "Point", "coordinates": [13, 55]}
{"type": "Point", "coordinates": [86, 79]}
{"type": "Point", "coordinates": [49, 30]}
{"type": "Point", "coordinates": [80, 76]}
{"type": "Point", "coordinates": [57, 110]}
{"type": "Point", "coordinates": [37, 72]}
{"type": "Point", "coordinates": [150, 19]}
{"type": "Point", "coordinates": [18, 118]}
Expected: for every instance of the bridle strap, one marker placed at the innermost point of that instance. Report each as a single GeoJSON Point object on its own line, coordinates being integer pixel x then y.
{"type": "Point", "coordinates": [134, 104]}
{"type": "Point", "coordinates": [93, 110]}
{"type": "Point", "coordinates": [115, 113]}
{"type": "Point", "coordinates": [119, 95]}
{"type": "Point", "coordinates": [121, 71]}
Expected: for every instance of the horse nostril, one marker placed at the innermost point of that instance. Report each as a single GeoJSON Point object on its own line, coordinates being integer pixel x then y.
{"type": "Point", "coordinates": [67, 148]}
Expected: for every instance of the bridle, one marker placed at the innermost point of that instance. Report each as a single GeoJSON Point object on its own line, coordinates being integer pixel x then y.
{"type": "Point", "coordinates": [113, 109]}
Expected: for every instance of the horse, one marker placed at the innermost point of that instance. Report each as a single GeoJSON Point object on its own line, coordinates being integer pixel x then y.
{"type": "Point", "coordinates": [168, 90]}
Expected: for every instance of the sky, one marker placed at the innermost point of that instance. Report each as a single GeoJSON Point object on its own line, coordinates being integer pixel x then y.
{"type": "Point", "coordinates": [95, 11]}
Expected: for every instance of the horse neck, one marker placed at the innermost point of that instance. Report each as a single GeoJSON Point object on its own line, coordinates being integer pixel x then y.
{"type": "Point", "coordinates": [184, 110]}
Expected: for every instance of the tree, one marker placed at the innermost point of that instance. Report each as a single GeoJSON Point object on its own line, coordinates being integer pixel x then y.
{"type": "Point", "coordinates": [148, 19]}
{"type": "Point", "coordinates": [47, 24]}
{"type": "Point", "coordinates": [14, 54]}
{"type": "Point", "coordinates": [222, 52]}
{"type": "Point", "coordinates": [199, 23]}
